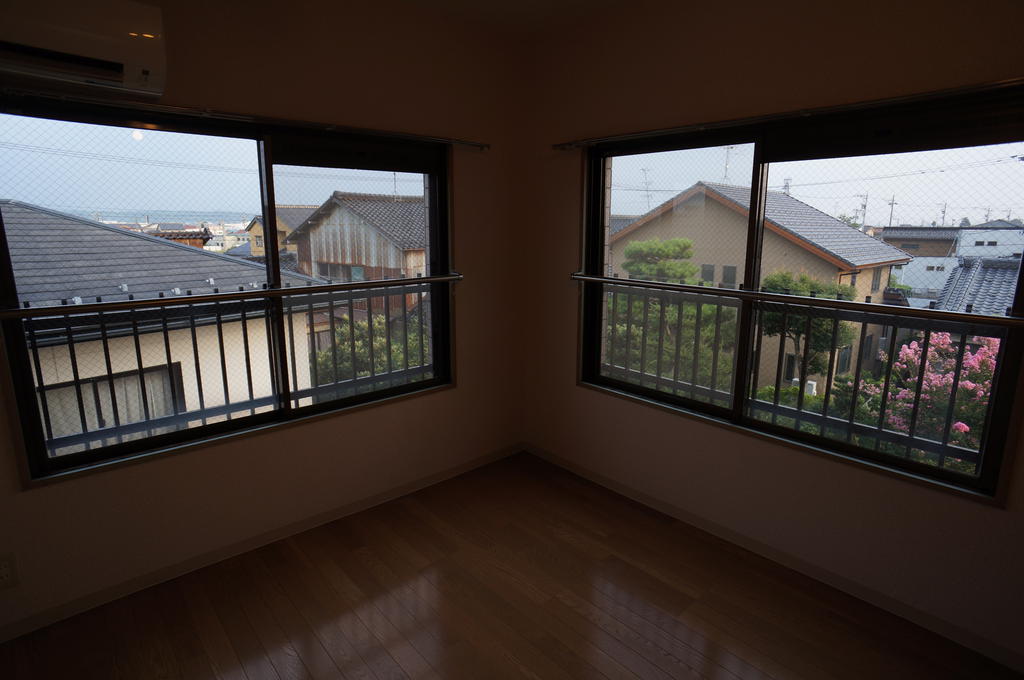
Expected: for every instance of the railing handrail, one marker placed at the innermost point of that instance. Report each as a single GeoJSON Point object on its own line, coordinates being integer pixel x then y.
{"type": "Point", "coordinates": [64, 310]}
{"type": "Point", "coordinates": [807, 301]}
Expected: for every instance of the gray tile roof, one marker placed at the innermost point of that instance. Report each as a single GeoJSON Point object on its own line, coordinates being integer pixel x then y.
{"type": "Point", "coordinates": [59, 257]}
{"type": "Point", "coordinates": [921, 233]}
{"type": "Point", "coordinates": [242, 250]}
{"type": "Point", "coordinates": [402, 219]}
{"type": "Point", "coordinates": [288, 216]}
{"type": "Point", "coordinates": [816, 228]}
{"type": "Point", "coordinates": [986, 283]}
{"type": "Point", "coordinates": [617, 223]}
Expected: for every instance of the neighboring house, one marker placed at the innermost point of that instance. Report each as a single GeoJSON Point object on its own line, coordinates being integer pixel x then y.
{"type": "Point", "coordinates": [926, 276]}
{"type": "Point", "coordinates": [923, 241]}
{"type": "Point", "coordinates": [994, 238]}
{"type": "Point", "coordinates": [227, 241]}
{"type": "Point", "coordinates": [798, 238]}
{"type": "Point", "coordinates": [288, 218]}
{"type": "Point", "coordinates": [983, 285]}
{"type": "Point", "coordinates": [197, 238]}
{"type": "Point", "coordinates": [190, 368]}
{"type": "Point", "coordinates": [363, 237]}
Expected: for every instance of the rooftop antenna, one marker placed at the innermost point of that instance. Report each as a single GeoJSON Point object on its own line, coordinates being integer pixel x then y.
{"type": "Point", "coordinates": [728, 152]}
{"type": "Point", "coordinates": [647, 186]}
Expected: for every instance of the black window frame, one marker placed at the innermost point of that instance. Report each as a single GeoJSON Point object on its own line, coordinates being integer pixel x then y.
{"type": "Point", "coordinates": [282, 142]}
{"type": "Point", "coordinates": [981, 116]}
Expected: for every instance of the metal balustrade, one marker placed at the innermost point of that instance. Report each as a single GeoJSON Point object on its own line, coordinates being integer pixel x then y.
{"type": "Point", "coordinates": [110, 373]}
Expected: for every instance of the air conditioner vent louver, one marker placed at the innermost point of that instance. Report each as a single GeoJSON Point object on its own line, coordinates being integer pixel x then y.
{"type": "Point", "coordinates": [68, 44]}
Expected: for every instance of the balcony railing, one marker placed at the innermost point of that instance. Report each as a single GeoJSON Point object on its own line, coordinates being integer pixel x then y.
{"type": "Point", "coordinates": [108, 377]}
{"type": "Point", "coordinates": [878, 383]}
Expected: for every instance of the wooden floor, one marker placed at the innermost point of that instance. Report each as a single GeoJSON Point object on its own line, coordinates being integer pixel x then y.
{"type": "Point", "coordinates": [515, 570]}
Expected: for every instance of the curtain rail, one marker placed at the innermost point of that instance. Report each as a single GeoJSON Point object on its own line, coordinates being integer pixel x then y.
{"type": "Point", "coordinates": [63, 310]}
{"type": "Point", "coordinates": [828, 303]}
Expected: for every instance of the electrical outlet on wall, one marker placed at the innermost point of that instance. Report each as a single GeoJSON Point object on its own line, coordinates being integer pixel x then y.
{"type": "Point", "coordinates": [8, 572]}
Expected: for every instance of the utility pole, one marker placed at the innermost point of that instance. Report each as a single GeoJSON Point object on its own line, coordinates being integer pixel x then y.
{"type": "Point", "coordinates": [943, 223]}
{"type": "Point", "coordinates": [988, 214]}
{"type": "Point", "coordinates": [892, 204]}
{"type": "Point", "coordinates": [863, 210]}
{"type": "Point", "coordinates": [647, 186]}
{"type": "Point", "coordinates": [728, 151]}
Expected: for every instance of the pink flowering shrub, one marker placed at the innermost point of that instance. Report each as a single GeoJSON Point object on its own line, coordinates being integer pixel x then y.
{"type": "Point", "coordinates": [972, 393]}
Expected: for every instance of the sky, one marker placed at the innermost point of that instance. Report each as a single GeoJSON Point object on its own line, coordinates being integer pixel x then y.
{"type": "Point", "coordinates": [107, 172]}
{"type": "Point", "coordinates": [979, 183]}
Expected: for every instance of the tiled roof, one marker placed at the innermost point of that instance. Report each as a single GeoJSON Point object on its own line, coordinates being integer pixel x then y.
{"type": "Point", "coordinates": [59, 257]}
{"type": "Point", "coordinates": [288, 216]}
{"type": "Point", "coordinates": [402, 219]}
{"type": "Point", "coordinates": [617, 223]}
{"type": "Point", "coordinates": [921, 233]}
{"type": "Point", "coordinates": [817, 230]}
{"type": "Point", "coordinates": [986, 283]}
{"type": "Point", "coordinates": [241, 250]}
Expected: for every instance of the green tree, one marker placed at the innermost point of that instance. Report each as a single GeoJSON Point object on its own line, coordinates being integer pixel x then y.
{"type": "Point", "coordinates": [658, 260]}
{"type": "Point", "coordinates": [351, 357]}
{"type": "Point", "coordinates": [793, 328]}
{"type": "Point", "coordinates": [850, 220]}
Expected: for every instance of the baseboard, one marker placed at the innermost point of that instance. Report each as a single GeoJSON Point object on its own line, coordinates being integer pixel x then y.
{"type": "Point", "coordinates": [87, 602]}
{"type": "Point", "coordinates": [936, 625]}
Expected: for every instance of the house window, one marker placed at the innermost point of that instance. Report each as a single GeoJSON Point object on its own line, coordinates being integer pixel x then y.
{"type": "Point", "coordinates": [123, 344]}
{"type": "Point", "coordinates": [729, 276]}
{"type": "Point", "coordinates": [728, 354]}
{"type": "Point", "coordinates": [991, 243]}
{"type": "Point", "coordinates": [979, 243]}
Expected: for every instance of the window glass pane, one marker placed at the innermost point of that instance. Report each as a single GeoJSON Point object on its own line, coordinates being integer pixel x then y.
{"type": "Point", "coordinates": [346, 343]}
{"type": "Point", "coordinates": [680, 344]}
{"type": "Point", "coordinates": [848, 379]}
{"type": "Point", "coordinates": [678, 216]}
{"type": "Point", "coordinates": [940, 229]}
{"type": "Point", "coordinates": [340, 224]}
{"type": "Point", "coordinates": [104, 213]}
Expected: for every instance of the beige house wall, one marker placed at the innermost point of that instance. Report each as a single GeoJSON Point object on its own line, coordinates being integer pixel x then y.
{"type": "Point", "coordinates": [924, 248]}
{"type": "Point", "coordinates": [55, 362]}
{"type": "Point", "coordinates": [259, 250]}
{"type": "Point", "coordinates": [719, 235]}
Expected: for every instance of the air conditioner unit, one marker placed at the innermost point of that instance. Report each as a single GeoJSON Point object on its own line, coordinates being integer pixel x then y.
{"type": "Point", "coordinates": [114, 44]}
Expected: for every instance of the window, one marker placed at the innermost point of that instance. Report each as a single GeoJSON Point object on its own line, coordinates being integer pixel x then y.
{"type": "Point", "coordinates": [126, 341]}
{"type": "Point", "coordinates": [991, 243]}
{"type": "Point", "coordinates": [979, 243]}
{"type": "Point", "coordinates": [707, 273]}
{"type": "Point", "coordinates": [729, 276]}
{"type": "Point", "coordinates": [909, 384]}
